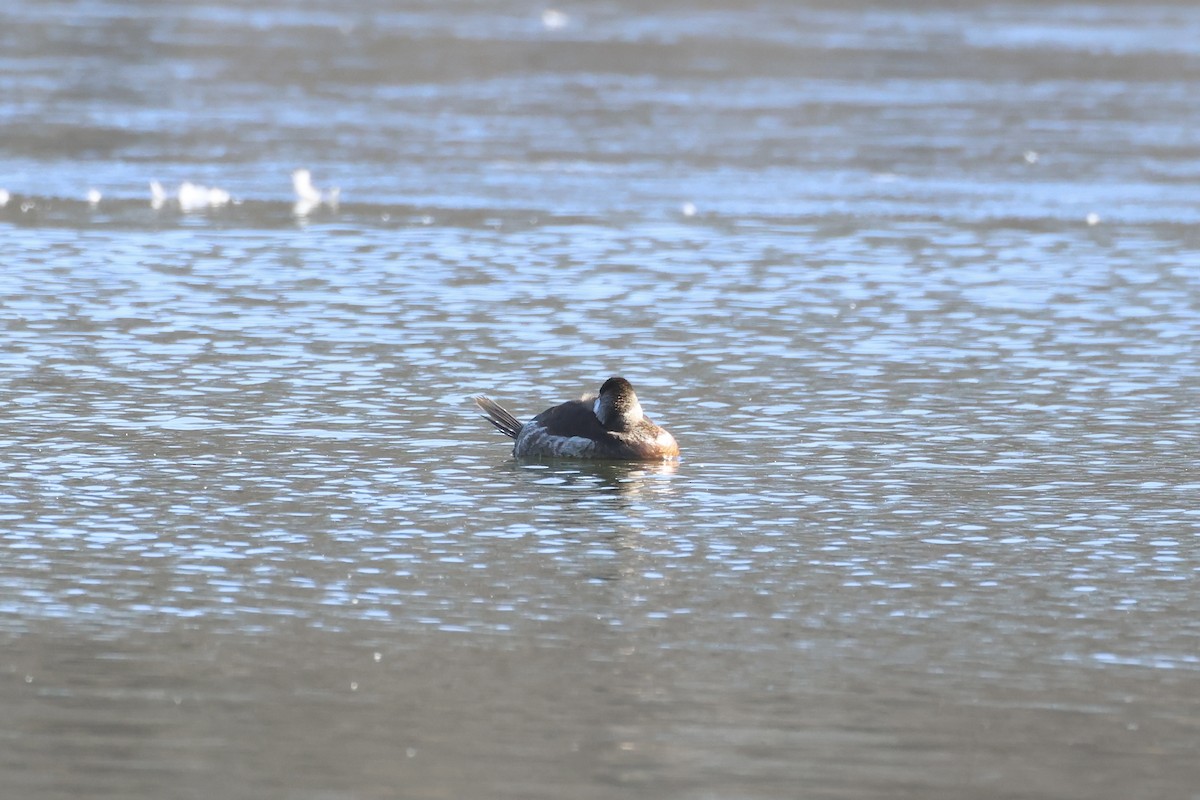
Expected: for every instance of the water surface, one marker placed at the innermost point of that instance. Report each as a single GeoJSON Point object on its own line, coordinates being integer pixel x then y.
{"type": "Point", "coordinates": [916, 290]}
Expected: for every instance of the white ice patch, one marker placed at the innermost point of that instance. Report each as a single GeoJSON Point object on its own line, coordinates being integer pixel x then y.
{"type": "Point", "coordinates": [309, 197]}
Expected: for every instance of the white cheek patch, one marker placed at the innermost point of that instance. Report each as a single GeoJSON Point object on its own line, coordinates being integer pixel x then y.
{"type": "Point", "coordinates": [596, 408]}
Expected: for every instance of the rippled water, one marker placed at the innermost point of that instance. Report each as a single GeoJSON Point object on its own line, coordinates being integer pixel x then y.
{"type": "Point", "coordinates": [916, 290]}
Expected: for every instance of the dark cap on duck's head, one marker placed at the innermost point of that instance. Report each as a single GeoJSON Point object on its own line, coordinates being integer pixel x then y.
{"type": "Point", "coordinates": [617, 406]}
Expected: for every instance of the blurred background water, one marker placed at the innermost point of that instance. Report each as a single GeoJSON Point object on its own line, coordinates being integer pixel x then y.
{"type": "Point", "coordinates": [917, 289]}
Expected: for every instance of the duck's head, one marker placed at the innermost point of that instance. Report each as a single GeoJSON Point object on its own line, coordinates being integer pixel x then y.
{"type": "Point", "coordinates": [617, 406]}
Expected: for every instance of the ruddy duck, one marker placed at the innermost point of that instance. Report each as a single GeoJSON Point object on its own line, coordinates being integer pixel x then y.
{"type": "Point", "coordinates": [609, 425]}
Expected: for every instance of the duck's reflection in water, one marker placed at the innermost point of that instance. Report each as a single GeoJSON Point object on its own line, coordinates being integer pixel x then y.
{"type": "Point", "coordinates": [627, 478]}
{"type": "Point", "coordinates": [594, 516]}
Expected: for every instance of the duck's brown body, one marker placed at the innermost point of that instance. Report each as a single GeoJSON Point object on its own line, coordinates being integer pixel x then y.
{"type": "Point", "coordinates": [608, 426]}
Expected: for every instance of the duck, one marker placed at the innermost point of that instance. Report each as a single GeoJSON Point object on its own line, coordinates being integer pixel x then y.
{"type": "Point", "coordinates": [609, 425]}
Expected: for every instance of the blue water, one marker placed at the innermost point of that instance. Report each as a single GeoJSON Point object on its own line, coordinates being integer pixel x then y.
{"type": "Point", "coordinates": [916, 290]}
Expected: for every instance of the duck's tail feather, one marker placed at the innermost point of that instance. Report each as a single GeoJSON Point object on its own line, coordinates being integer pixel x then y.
{"type": "Point", "coordinates": [498, 415]}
